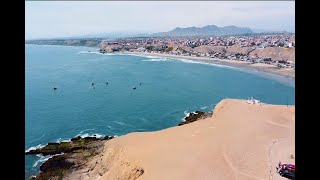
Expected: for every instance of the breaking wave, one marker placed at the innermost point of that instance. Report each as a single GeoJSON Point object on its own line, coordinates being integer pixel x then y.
{"type": "Point", "coordinates": [186, 114]}
{"type": "Point", "coordinates": [157, 60]}
{"type": "Point", "coordinates": [86, 130]}
{"type": "Point", "coordinates": [35, 147]}
{"type": "Point", "coordinates": [206, 63]}
{"type": "Point", "coordinates": [90, 135]}
{"type": "Point", "coordinates": [204, 107]}
{"type": "Point", "coordinates": [43, 159]}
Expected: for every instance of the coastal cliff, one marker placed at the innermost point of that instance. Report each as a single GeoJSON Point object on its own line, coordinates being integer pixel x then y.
{"type": "Point", "coordinates": [236, 141]}
{"type": "Point", "coordinates": [72, 155]}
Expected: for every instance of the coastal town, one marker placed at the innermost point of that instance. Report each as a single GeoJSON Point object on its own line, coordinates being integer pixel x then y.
{"type": "Point", "coordinates": [275, 49]}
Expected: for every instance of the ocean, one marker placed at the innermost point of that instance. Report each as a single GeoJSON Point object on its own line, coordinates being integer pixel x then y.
{"type": "Point", "coordinates": [170, 89]}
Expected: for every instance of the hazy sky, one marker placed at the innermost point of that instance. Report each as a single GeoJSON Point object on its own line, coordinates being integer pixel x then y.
{"type": "Point", "coordinates": [62, 18]}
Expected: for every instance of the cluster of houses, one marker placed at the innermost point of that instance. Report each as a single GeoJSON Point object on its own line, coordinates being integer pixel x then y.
{"type": "Point", "coordinates": [171, 45]}
{"type": "Point", "coordinates": [272, 40]}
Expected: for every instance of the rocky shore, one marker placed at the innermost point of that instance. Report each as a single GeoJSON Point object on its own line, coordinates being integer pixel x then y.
{"type": "Point", "coordinates": [194, 116]}
{"type": "Point", "coordinates": [67, 156]}
{"type": "Point", "coordinates": [70, 156]}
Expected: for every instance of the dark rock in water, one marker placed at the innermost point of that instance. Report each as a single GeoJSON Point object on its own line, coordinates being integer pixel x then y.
{"type": "Point", "coordinates": [57, 148]}
{"type": "Point", "coordinates": [76, 138]}
{"type": "Point", "coordinates": [52, 143]}
{"type": "Point", "coordinates": [194, 116]}
{"type": "Point", "coordinates": [90, 138]}
{"type": "Point", "coordinates": [108, 137]}
{"type": "Point", "coordinates": [55, 167]}
{"type": "Point", "coordinates": [134, 88]}
{"type": "Point", "coordinates": [76, 152]}
{"type": "Point", "coordinates": [56, 162]}
{"type": "Point", "coordinates": [75, 144]}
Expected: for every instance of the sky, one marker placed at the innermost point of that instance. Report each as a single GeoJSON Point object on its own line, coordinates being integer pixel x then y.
{"type": "Point", "coordinates": [47, 19]}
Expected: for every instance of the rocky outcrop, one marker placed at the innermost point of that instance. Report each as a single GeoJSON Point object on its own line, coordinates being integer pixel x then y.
{"type": "Point", "coordinates": [75, 144]}
{"type": "Point", "coordinates": [194, 116]}
{"type": "Point", "coordinates": [68, 156]}
{"type": "Point", "coordinates": [110, 48]}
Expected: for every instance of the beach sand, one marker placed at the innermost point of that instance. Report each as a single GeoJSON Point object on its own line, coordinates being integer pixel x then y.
{"type": "Point", "coordinates": [240, 141]}
{"type": "Point", "coordinates": [288, 72]}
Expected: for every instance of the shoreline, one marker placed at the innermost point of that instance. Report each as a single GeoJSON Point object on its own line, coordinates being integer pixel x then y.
{"type": "Point", "coordinates": [266, 68]}
{"type": "Point", "coordinates": [287, 73]}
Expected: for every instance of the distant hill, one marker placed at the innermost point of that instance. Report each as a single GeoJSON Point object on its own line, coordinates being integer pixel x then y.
{"type": "Point", "coordinates": [205, 31]}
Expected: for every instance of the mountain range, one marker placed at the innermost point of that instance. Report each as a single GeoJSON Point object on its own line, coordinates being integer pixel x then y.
{"type": "Point", "coordinates": [205, 31]}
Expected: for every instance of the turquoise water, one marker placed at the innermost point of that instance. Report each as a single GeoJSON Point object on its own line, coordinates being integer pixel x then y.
{"type": "Point", "coordinates": [170, 89]}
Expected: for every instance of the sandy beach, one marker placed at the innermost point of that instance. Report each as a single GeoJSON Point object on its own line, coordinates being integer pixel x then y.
{"type": "Point", "coordinates": [287, 72]}
{"type": "Point", "coordinates": [240, 141]}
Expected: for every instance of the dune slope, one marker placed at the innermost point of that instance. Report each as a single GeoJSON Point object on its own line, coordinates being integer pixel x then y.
{"type": "Point", "coordinates": [240, 141]}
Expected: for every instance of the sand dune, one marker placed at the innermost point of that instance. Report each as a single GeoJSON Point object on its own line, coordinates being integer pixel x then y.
{"type": "Point", "coordinates": [276, 53]}
{"type": "Point", "coordinates": [240, 141]}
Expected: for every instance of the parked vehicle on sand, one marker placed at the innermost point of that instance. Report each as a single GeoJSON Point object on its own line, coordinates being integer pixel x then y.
{"type": "Point", "coordinates": [286, 170]}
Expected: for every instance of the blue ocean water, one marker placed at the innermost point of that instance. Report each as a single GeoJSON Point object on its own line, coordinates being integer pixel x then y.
{"type": "Point", "coordinates": [170, 88]}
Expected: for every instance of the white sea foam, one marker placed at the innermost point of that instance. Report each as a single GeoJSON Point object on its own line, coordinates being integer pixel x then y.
{"type": "Point", "coordinates": [204, 107]}
{"type": "Point", "coordinates": [63, 140]}
{"type": "Point", "coordinates": [67, 140]}
{"type": "Point", "coordinates": [35, 147]}
{"type": "Point", "coordinates": [96, 52]}
{"type": "Point", "coordinates": [205, 63]}
{"type": "Point", "coordinates": [90, 135]}
{"type": "Point", "coordinates": [142, 55]}
{"type": "Point", "coordinates": [44, 158]}
{"type": "Point", "coordinates": [157, 60]}
{"type": "Point", "coordinates": [38, 138]}
{"type": "Point", "coordinates": [89, 52]}
{"type": "Point", "coordinates": [86, 130]}
{"type": "Point", "coordinates": [41, 160]}
{"type": "Point", "coordinates": [120, 123]}
{"type": "Point", "coordinates": [186, 114]}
